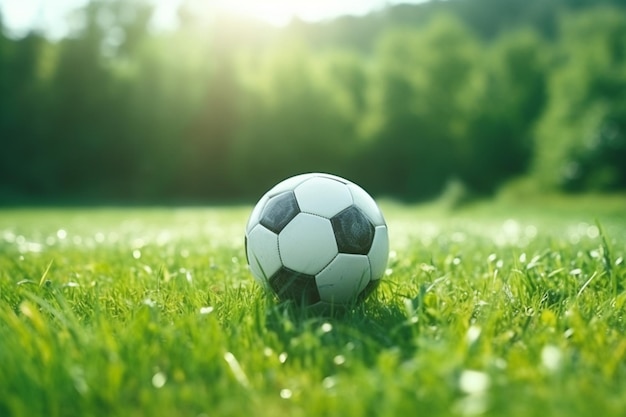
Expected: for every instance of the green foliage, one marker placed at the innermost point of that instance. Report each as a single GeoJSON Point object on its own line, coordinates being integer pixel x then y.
{"type": "Point", "coordinates": [500, 310]}
{"type": "Point", "coordinates": [581, 139]}
{"type": "Point", "coordinates": [293, 94]}
{"type": "Point", "coordinates": [423, 88]}
{"type": "Point", "coordinates": [511, 97]}
{"type": "Point", "coordinates": [404, 101]}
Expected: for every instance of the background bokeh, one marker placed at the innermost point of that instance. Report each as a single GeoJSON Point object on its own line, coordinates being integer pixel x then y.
{"type": "Point", "coordinates": [412, 101]}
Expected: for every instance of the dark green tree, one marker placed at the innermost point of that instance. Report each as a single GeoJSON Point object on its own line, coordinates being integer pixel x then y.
{"type": "Point", "coordinates": [25, 78]}
{"type": "Point", "coordinates": [499, 144]}
{"type": "Point", "coordinates": [581, 138]}
{"type": "Point", "coordinates": [422, 93]}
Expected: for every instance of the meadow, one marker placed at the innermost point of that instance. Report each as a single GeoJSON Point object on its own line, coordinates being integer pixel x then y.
{"type": "Point", "coordinates": [496, 309]}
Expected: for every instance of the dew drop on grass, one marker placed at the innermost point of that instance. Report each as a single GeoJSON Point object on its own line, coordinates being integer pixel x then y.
{"type": "Point", "coordinates": [286, 393]}
{"type": "Point", "coordinates": [326, 327]}
{"type": "Point", "coordinates": [158, 380]}
{"type": "Point", "coordinates": [339, 360]}
{"type": "Point", "coordinates": [206, 310]}
{"type": "Point", "coordinates": [593, 232]}
{"type": "Point", "coordinates": [551, 357]}
{"type": "Point", "coordinates": [329, 382]}
{"type": "Point", "coordinates": [472, 335]}
{"type": "Point", "coordinates": [474, 382]}
{"type": "Point", "coordinates": [511, 229]}
{"type": "Point", "coordinates": [282, 358]}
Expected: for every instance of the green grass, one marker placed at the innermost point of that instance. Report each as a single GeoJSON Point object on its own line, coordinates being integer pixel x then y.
{"type": "Point", "coordinates": [497, 309]}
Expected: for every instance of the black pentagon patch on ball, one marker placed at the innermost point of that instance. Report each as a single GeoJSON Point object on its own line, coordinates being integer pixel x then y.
{"type": "Point", "coordinates": [353, 231]}
{"type": "Point", "coordinates": [279, 211]}
{"type": "Point", "coordinates": [295, 286]}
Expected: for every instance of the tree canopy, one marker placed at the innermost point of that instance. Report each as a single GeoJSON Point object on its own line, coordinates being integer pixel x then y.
{"type": "Point", "coordinates": [403, 101]}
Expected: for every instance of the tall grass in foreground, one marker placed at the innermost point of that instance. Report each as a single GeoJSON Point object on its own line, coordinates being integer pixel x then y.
{"type": "Point", "coordinates": [492, 310]}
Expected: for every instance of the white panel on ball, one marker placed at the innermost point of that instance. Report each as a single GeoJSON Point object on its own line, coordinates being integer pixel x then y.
{"type": "Point", "coordinates": [367, 204]}
{"type": "Point", "coordinates": [323, 196]}
{"type": "Point", "coordinates": [344, 278]}
{"type": "Point", "coordinates": [263, 253]}
{"type": "Point", "coordinates": [307, 244]}
{"type": "Point", "coordinates": [379, 252]}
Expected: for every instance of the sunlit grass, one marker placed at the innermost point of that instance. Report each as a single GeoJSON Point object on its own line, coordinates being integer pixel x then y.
{"type": "Point", "coordinates": [491, 310]}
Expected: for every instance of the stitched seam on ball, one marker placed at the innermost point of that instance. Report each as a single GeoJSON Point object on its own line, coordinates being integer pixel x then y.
{"type": "Point", "coordinates": [326, 266]}
{"type": "Point", "coordinates": [321, 216]}
{"type": "Point", "coordinates": [369, 262]}
{"type": "Point", "coordinates": [280, 255]}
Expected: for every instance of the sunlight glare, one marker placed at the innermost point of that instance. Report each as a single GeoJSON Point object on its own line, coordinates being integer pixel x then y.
{"type": "Point", "coordinates": [281, 12]}
{"type": "Point", "coordinates": [276, 12]}
{"type": "Point", "coordinates": [51, 15]}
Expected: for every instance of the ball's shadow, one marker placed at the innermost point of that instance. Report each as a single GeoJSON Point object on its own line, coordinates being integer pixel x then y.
{"type": "Point", "coordinates": [380, 324]}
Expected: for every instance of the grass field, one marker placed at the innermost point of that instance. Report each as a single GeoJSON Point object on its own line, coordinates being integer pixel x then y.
{"type": "Point", "coordinates": [497, 309]}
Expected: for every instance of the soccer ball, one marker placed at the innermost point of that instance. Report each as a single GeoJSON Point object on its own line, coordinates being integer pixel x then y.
{"type": "Point", "coordinates": [317, 239]}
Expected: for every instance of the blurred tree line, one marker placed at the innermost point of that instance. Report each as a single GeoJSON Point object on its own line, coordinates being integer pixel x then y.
{"type": "Point", "coordinates": [403, 101]}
